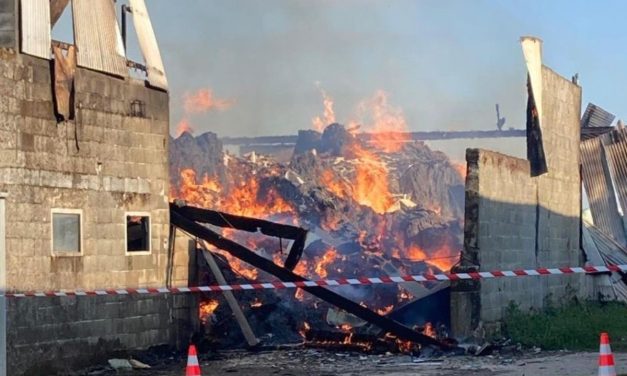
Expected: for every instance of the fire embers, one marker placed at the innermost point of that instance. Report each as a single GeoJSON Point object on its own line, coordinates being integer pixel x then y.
{"type": "Point", "coordinates": [346, 339]}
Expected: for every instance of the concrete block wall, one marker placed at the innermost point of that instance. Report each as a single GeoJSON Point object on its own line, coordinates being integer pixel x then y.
{"type": "Point", "coordinates": [57, 335]}
{"type": "Point", "coordinates": [515, 221]}
{"type": "Point", "coordinates": [105, 162]}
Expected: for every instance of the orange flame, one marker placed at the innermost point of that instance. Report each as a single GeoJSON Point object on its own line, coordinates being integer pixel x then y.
{"type": "Point", "coordinates": [305, 329]}
{"type": "Point", "coordinates": [183, 126]}
{"type": "Point", "coordinates": [326, 259]}
{"type": "Point", "coordinates": [385, 310]}
{"type": "Point", "coordinates": [206, 309]}
{"type": "Point", "coordinates": [345, 328]}
{"type": "Point", "coordinates": [204, 100]}
{"type": "Point", "coordinates": [386, 122]}
{"type": "Point", "coordinates": [244, 199]}
{"type": "Point", "coordinates": [329, 181]}
{"type": "Point", "coordinates": [300, 295]}
{"type": "Point", "coordinates": [443, 258]}
{"type": "Point", "coordinates": [256, 303]}
{"type": "Point", "coordinates": [460, 167]}
{"type": "Point", "coordinates": [371, 187]}
{"type": "Point", "coordinates": [328, 117]}
{"type": "Point", "coordinates": [428, 330]}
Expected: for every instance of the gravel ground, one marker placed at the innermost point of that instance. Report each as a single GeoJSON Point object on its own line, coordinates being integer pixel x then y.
{"type": "Point", "coordinates": [309, 362]}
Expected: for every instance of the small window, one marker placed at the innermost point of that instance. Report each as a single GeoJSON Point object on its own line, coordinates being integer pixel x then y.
{"type": "Point", "coordinates": [137, 232]}
{"type": "Point", "coordinates": [66, 231]}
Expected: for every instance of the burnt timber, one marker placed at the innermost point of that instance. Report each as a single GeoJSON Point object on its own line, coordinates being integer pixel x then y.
{"type": "Point", "coordinates": [179, 219]}
{"type": "Point", "coordinates": [290, 140]}
{"type": "Point", "coordinates": [410, 136]}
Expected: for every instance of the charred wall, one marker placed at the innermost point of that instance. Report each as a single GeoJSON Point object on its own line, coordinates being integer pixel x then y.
{"type": "Point", "coordinates": [514, 220]}
{"type": "Point", "coordinates": [107, 162]}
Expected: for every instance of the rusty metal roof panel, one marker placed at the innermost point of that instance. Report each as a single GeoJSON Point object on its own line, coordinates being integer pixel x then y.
{"type": "Point", "coordinates": [148, 45]}
{"type": "Point", "coordinates": [98, 37]}
{"type": "Point", "coordinates": [597, 181]}
{"type": "Point", "coordinates": [35, 21]}
{"type": "Point", "coordinates": [595, 116]}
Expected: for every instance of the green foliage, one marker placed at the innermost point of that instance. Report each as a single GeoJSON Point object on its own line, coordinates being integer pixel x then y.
{"type": "Point", "coordinates": [575, 326]}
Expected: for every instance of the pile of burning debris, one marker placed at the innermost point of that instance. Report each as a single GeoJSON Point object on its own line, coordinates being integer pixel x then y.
{"type": "Point", "coordinates": [371, 208]}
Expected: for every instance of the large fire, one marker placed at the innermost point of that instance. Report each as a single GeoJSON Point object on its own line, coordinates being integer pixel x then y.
{"type": "Point", "coordinates": [368, 179]}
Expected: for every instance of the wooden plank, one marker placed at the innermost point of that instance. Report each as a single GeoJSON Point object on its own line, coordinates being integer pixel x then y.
{"type": "Point", "coordinates": [230, 299]}
{"type": "Point", "coordinates": [35, 30]}
{"type": "Point", "coordinates": [148, 45]}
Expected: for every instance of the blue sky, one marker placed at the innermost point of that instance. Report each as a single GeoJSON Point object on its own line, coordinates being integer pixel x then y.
{"type": "Point", "coordinates": [445, 63]}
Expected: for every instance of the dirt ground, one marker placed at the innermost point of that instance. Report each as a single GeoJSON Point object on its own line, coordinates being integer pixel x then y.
{"type": "Point", "coordinates": [309, 362]}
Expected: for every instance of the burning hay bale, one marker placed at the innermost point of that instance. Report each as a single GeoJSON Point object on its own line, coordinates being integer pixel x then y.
{"type": "Point", "coordinates": [369, 212]}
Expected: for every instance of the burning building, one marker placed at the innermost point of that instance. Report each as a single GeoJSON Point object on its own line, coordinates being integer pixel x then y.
{"type": "Point", "coordinates": [84, 182]}
{"type": "Point", "coordinates": [370, 207]}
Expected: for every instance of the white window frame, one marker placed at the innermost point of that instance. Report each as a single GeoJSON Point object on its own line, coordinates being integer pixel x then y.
{"type": "Point", "coordinates": [81, 229]}
{"type": "Point", "coordinates": [138, 214]}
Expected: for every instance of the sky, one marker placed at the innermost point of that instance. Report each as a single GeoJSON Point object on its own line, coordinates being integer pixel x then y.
{"type": "Point", "coordinates": [443, 64]}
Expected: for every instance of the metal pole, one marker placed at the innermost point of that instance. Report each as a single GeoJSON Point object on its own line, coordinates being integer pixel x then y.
{"type": "Point", "coordinates": [3, 303]}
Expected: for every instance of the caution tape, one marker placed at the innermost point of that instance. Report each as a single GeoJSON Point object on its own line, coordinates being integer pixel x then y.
{"type": "Point", "coordinates": [427, 277]}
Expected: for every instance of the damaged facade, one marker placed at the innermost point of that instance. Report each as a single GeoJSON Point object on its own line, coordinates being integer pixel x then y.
{"type": "Point", "coordinates": [84, 176]}
{"type": "Point", "coordinates": [520, 217]}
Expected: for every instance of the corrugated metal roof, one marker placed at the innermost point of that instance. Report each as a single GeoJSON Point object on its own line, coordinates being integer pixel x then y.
{"type": "Point", "coordinates": [597, 243]}
{"type": "Point", "coordinates": [595, 116]}
{"type": "Point", "coordinates": [97, 36]}
{"type": "Point", "coordinates": [148, 45]}
{"type": "Point", "coordinates": [8, 36]}
{"type": "Point", "coordinates": [35, 20]}
{"type": "Point", "coordinates": [589, 132]}
{"type": "Point", "coordinates": [615, 144]}
{"type": "Point", "coordinates": [598, 184]}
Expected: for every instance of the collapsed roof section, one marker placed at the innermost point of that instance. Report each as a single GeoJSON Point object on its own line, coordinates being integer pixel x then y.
{"type": "Point", "coordinates": [97, 33]}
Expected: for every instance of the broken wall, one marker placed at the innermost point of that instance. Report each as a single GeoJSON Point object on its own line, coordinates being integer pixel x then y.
{"type": "Point", "coordinates": [109, 161]}
{"type": "Point", "coordinates": [516, 221]}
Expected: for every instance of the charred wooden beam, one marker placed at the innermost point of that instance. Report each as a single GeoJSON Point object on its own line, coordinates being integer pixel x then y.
{"type": "Point", "coordinates": [247, 331]}
{"type": "Point", "coordinates": [179, 219]}
{"type": "Point", "coordinates": [278, 230]}
{"type": "Point", "coordinates": [410, 136]}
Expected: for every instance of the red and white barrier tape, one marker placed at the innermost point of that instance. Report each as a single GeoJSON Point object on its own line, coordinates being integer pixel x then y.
{"type": "Point", "coordinates": [330, 282]}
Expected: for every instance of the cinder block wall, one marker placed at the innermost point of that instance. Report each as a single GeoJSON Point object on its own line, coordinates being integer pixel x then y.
{"type": "Point", "coordinates": [106, 162]}
{"type": "Point", "coordinates": [517, 221]}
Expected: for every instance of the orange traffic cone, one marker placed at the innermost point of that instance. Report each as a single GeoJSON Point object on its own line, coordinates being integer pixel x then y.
{"type": "Point", "coordinates": [193, 368]}
{"type": "Point", "coordinates": [606, 359]}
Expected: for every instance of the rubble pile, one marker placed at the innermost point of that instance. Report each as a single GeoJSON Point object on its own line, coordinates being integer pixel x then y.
{"type": "Point", "coordinates": [369, 212]}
